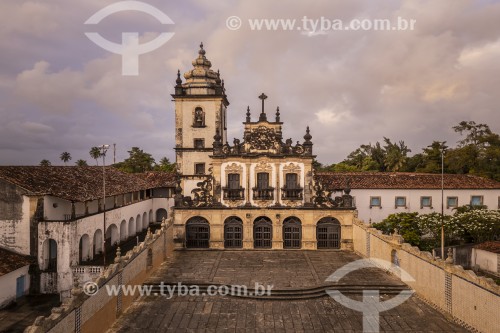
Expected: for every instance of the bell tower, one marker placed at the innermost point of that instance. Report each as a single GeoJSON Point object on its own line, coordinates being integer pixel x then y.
{"type": "Point", "coordinates": [200, 114]}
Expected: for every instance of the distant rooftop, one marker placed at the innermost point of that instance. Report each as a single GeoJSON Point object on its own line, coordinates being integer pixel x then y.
{"type": "Point", "coordinates": [78, 183]}
{"type": "Point", "coordinates": [159, 178]}
{"type": "Point", "coordinates": [403, 180]}
{"type": "Point", "coordinates": [10, 261]}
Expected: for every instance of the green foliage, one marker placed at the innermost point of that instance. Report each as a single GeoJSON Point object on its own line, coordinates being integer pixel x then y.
{"type": "Point", "coordinates": [81, 163]}
{"type": "Point", "coordinates": [138, 161]}
{"type": "Point", "coordinates": [45, 163]}
{"type": "Point", "coordinates": [65, 157]}
{"type": "Point", "coordinates": [95, 153]}
{"type": "Point", "coordinates": [405, 224]}
{"type": "Point", "coordinates": [469, 224]}
{"type": "Point", "coordinates": [478, 153]}
{"type": "Point", "coordinates": [480, 224]}
{"type": "Point", "coordinates": [165, 165]}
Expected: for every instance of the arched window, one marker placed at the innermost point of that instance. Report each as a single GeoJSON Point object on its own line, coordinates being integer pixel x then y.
{"type": "Point", "coordinates": [97, 242]}
{"type": "Point", "coordinates": [111, 236]}
{"type": "Point", "coordinates": [123, 230]}
{"type": "Point", "coordinates": [160, 214]}
{"type": "Point", "coordinates": [199, 117]}
{"type": "Point", "coordinates": [292, 233]}
{"type": "Point", "coordinates": [263, 233]}
{"type": "Point", "coordinates": [233, 232]}
{"type": "Point", "coordinates": [328, 233]}
{"type": "Point", "coordinates": [197, 233]}
{"type": "Point", "coordinates": [50, 255]}
{"type": "Point", "coordinates": [131, 227]}
{"type": "Point", "coordinates": [84, 249]}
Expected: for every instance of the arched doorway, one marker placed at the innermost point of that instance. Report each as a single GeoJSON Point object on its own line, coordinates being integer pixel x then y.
{"type": "Point", "coordinates": [112, 235]}
{"type": "Point", "coordinates": [84, 248]}
{"type": "Point", "coordinates": [197, 233]}
{"type": "Point", "coordinates": [145, 222]}
{"type": "Point", "coordinates": [131, 227]}
{"type": "Point", "coordinates": [328, 233]}
{"type": "Point", "coordinates": [97, 242]}
{"type": "Point", "coordinates": [50, 255]}
{"type": "Point", "coordinates": [123, 230]}
{"type": "Point", "coordinates": [233, 232]}
{"type": "Point", "coordinates": [138, 224]}
{"type": "Point", "coordinates": [292, 233]}
{"type": "Point", "coordinates": [262, 233]}
{"type": "Point", "coordinates": [160, 214]}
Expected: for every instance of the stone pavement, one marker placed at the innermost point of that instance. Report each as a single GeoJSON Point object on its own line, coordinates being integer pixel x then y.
{"type": "Point", "coordinates": [284, 270]}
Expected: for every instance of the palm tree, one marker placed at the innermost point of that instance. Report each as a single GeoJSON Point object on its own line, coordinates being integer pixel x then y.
{"type": "Point", "coordinates": [65, 157]}
{"type": "Point", "coordinates": [45, 163]}
{"type": "Point", "coordinates": [95, 153]}
{"type": "Point", "coordinates": [81, 163]}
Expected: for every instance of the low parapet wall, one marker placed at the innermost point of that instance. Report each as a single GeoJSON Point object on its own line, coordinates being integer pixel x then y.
{"type": "Point", "coordinates": [82, 313]}
{"type": "Point", "coordinates": [471, 300]}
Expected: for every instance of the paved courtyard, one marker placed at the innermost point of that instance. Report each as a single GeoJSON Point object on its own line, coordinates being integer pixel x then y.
{"type": "Point", "coordinates": [294, 271]}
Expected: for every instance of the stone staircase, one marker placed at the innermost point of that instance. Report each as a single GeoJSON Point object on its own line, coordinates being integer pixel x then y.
{"type": "Point", "coordinates": [278, 294]}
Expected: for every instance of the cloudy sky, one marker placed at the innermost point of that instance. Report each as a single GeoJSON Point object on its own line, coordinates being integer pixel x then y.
{"type": "Point", "coordinates": [61, 92]}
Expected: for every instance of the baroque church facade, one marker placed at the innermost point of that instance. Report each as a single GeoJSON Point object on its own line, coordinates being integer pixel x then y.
{"type": "Point", "coordinates": [259, 192]}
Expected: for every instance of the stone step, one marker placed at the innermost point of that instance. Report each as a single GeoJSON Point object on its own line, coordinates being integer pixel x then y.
{"type": "Point", "coordinates": [291, 293]}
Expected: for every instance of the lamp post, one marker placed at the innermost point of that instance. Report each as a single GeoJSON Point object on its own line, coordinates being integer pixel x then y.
{"type": "Point", "coordinates": [442, 202]}
{"type": "Point", "coordinates": [104, 148]}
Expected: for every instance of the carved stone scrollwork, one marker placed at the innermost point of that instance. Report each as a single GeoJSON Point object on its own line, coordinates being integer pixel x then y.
{"type": "Point", "coordinates": [323, 197]}
{"type": "Point", "coordinates": [292, 168]}
{"type": "Point", "coordinates": [262, 138]}
{"type": "Point", "coordinates": [203, 194]}
{"type": "Point", "coordinates": [234, 168]}
{"type": "Point", "coordinates": [262, 166]}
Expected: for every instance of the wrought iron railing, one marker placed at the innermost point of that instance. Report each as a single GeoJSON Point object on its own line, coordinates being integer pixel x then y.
{"type": "Point", "coordinates": [291, 193]}
{"type": "Point", "coordinates": [263, 193]}
{"type": "Point", "coordinates": [233, 193]}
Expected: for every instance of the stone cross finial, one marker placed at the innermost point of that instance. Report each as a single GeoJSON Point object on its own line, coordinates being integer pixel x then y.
{"type": "Point", "coordinates": [263, 98]}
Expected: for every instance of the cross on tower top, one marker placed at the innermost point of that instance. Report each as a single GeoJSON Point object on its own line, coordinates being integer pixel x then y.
{"type": "Point", "coordinates": [263, 98]}
{"type": "Point", "coordinates": [263, 114]}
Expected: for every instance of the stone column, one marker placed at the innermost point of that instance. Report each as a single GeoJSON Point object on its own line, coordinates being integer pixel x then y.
{"type": "Point", "coordinates": [277, 233]}
{"type": "Point", "coordinates": [248, 189]}
{"type": "Point", "coordinates": [278, 185]}
{"type": "Point", "coordinates": [248, 232]}
{"type": "Point", "coordinates": [216, 231]}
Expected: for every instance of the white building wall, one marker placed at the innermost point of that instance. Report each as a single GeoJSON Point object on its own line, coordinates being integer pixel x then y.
{"type": "Point", "coordinates": [485, 260]}
{"type": "Point", "coordinates": [55, 208]}
{"type": "Point", "coordinates": [15, 233]}
{"type": "Point", "coordinates": [8, 285]}
{"type": "Point", "coordinates": [388, 196]}
{"type": "Point", "coordinates": [68, 235]}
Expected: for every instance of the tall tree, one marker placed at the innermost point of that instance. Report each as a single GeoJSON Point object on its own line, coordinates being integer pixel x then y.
{"type": "Point", "coordinates": [45, 163]}
{"type": "Point", "coordinates": [396, 155]}
{"type": "Point", "coordinates": [65, 157]}
{"type": "Point", "coordinates": [81, 163]}
{"type": "Point", "coordinates": [95, 153]}
{"type": "Point", "coordinates": [166, 165]}
{"type": "Point", "coordinates": [431, 157]}
{"type": "Point", "coordinates": [138, 161]}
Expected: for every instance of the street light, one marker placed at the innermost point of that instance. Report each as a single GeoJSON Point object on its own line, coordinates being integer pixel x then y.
{"type": "Point", "coordinates": [442, 200]}
{"type": "Point", "coordinates": [103, 149]}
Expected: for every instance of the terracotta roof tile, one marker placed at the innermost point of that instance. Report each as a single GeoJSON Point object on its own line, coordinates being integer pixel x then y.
{"type": "Point", "coordinates": [72, 182]}
{"type": "Point", "coordinates": [403, 180]}
{"type": "Point", "coordinates": [159, 178]}
{"type": "Point", "coordinates": [10, 261]}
